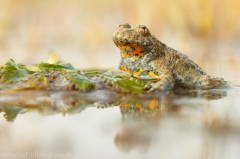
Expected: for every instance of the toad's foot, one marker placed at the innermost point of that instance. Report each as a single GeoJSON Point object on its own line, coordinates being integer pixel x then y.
{"type": "Point", "coordinates": [208, 82]}
{"type": "Point", "coordinates": [162, 85]}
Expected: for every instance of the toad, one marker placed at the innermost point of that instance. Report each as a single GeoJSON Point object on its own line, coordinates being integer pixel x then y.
{"type": "Point", "coordinates": [143, 56]}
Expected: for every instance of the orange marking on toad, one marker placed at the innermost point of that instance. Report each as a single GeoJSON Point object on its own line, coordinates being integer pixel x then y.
{"type": "Point", "coordinates": [124, 55]}
{"type": "Point", "coordinates": [123, 68]}
{"type": "Point", "coordinates": [152, 74]}
{"type": "Point", "coordinates": [137, 52]}
{"type": "Point", "coordinates": [137, 73]}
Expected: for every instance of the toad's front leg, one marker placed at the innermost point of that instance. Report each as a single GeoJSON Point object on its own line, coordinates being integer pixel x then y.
{"type": "Point", "coordinates": [165, 83]}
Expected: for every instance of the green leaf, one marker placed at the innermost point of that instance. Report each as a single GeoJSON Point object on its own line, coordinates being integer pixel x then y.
{"type": "Point", "coordinates": [32, 68]}
{"type": "Point", "coordinates": [13, 72]}
{"type": "Point", "coordinates": [81, 82]}
{"type": "Point", "coordinates": [130, 84]}
{"type": "Point", "coordinates": [56, 67]}
{"type": "Point", "coordinates": [127, 84]}
{"type": "Point", "coordinates": [11, 112]}
{"type": "Point", "coordinates": [96, 73]}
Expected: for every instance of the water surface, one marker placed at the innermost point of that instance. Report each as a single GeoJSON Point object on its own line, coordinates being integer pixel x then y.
{"type": "Point", "coordinates": [105, 124]}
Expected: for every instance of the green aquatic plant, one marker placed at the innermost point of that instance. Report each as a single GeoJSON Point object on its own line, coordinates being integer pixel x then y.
{"type": "Point", "coordinates": [124, 83]}
{"type": "Point", "coordinates": [81, 82]}
{"type": "Point", "coordinates": [13, 73]}
{"type": "Point", "coordinates": [56, 67]}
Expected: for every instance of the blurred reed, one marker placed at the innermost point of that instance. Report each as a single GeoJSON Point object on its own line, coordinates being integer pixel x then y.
{"type": "Point", "coordinates": [80, 31]}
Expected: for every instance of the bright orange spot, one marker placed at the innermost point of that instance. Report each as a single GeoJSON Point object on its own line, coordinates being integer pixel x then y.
{"type": "Point", "coordinates": [137, 73]}
{"type": "Point", "coordinates": [123, 68]}
{"type": "Point", "coordinates": [140, 107]}
{"type": "Point", "coordinates": [152, 74]}
{"type": "Point", "coordinates": [137, 52]}
{"type": "Point", "coordinates": [153, 104]}
{"type": "Point", "coordinates": [135, 58]}
{"type": "Point", "coordinates": [124, 107]}
{"type": "Point", "coordinates": [124, 55]}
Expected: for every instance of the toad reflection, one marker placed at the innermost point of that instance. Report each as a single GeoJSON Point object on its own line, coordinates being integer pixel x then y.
{"type": "Point", "coordinates": [140, 122]}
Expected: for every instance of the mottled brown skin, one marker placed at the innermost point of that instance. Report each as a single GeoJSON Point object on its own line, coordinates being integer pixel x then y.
{"type": "Point", "coordinates": [145, 57]}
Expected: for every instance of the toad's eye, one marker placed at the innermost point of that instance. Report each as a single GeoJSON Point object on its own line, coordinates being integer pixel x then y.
{"type": "Point", "coordinates": [124, 25]}
{"type": "Point", "coordinates": [142, 29]}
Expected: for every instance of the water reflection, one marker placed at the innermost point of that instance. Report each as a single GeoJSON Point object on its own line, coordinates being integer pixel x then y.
{"type": "Point", "coordinates": [144, 107]}
{"type": "Point", "coordinates": [142, 115]}
{"type": "Point", "coordinates": [141, 120]}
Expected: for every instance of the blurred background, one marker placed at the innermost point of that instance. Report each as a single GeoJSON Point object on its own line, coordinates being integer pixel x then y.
{"type": "Point", "coordinates": [79, 31]}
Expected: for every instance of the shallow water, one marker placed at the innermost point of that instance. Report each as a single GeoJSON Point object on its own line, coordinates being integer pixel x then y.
{"type": "Point", "coordinates": [103, 124]}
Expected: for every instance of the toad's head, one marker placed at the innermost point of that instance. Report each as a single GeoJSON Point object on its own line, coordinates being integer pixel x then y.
{"type": "Point", "coordinates": [133, 42]}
